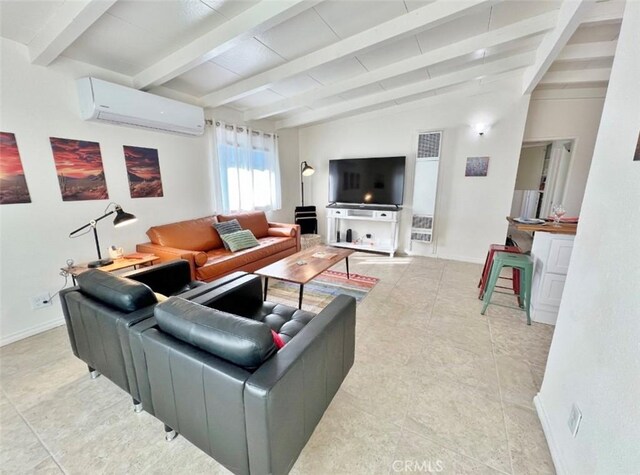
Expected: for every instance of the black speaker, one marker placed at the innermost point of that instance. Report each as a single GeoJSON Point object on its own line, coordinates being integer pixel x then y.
{"type": "Point", "coordinates": [349, 235]}
{"type": "Point", "coordinates": [338, 237]}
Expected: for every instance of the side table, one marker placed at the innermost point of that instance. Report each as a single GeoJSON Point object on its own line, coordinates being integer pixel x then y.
{"type": "Point", "coordinates": [131, 260]}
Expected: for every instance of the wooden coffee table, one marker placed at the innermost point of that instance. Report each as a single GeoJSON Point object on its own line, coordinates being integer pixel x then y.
{"type": "Point", "coordinates": [301, 267]}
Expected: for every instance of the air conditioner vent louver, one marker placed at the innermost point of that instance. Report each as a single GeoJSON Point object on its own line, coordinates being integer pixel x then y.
{"type": "Point", "coordinates": [422, 222]}
{"type": "Point", "coordinates": [429, 145]}
{"type": "Point", "coordinates": [424, 237]}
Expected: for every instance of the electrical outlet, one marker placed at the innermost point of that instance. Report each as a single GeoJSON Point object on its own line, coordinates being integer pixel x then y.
{"type": "Point", "coordinates": [575, 417]}
{"type": "Point", "coordinates": [41, 301]}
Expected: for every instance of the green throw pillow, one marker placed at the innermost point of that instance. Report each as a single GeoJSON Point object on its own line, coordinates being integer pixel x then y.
{"type": "Point", "coordinates": [240, 240]}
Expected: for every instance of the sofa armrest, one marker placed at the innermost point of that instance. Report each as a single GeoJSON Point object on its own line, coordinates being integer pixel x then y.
{"type": "Point", "coordinates": [165, 253]}
{"type": "Point", "coordinates": [288, 225]}
{"type": "Point", "coordinates": [296, 386]}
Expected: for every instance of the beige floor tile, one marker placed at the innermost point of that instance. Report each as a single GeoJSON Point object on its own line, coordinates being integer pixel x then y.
{"type": "Point", "coordinates": [448, 304]}
{"type": "Point", "coordinates": [463, 418]}
{"type": "Point", "coordinates": [527, 444]}
{"type": "Point", "coordinates": [440, 360]}
{"type": "Point", "coordinates": [47, 467]}
{"type": "Point", "coordinates": [464, 332]}
{"type": "Point", "coordinates": [20, 449]}
{"type": "Point", "coordinates": [418, 454]}
{"type": "Point", "coordinates": [518, 384]}
{"type": "Point", "coordinates": [348, 441]}
{"type": "Point", "coordinates": [529, 343]}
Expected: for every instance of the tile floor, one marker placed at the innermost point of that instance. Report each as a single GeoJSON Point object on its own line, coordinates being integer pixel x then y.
{"type": "Point", "coordinates": [436, 387]}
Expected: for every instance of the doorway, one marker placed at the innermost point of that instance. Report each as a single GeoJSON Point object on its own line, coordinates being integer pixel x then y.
{"type": "Point", "coordinates": [540, 181]}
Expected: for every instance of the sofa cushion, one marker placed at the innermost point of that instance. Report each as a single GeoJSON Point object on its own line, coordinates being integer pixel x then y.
{"type": "Point", "coordinates": [227, 227]}
{"type": "Point", "coordinates": [194, 235]}
{"type": "Point", "coordinates": [222, 261]}
{"type": "Point", "coordinates": [242, 341]}
{"type": "Point", "coordinates": [282, 232]}
{"type": "Point", "coordinates": [255, 221]}
{"type": "Point", "coordinates": [240, 240]}
{"type": "Point", "coordinates": [123, 294]}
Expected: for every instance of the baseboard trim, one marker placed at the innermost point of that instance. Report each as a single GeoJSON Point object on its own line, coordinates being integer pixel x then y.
{"type": "Point", "coordinates": [7, 339]}
{"type": "Point", "coordinates": [546, 428]}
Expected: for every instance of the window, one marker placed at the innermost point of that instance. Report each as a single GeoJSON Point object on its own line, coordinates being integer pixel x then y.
{"type": "Point", "coordinates": [248, 168]}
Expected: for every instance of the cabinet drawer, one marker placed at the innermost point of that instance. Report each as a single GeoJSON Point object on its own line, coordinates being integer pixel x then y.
{"type": "Point", "coordinates": [384, 215]}
{"type": "Point", "coordinates": [339, 213]}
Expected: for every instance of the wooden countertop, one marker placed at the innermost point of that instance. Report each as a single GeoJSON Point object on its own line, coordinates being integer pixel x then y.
{"type": "Point", "coordinates": [548, 227]}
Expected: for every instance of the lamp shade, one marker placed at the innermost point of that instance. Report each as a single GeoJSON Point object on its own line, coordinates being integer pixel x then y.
{"type": "Point", "coordinates": [123, 218]}
{"type": "Point", "coordinates": [307, 170]}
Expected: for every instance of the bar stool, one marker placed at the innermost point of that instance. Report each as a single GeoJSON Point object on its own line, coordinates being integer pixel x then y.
{"type": "Point", "coordinates": [524, 264]}
{"type": "Point", "coordinates": [493, 248]}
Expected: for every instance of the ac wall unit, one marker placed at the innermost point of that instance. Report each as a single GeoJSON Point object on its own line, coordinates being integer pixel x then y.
{"type": "Point", "coordinates": [103, 101]}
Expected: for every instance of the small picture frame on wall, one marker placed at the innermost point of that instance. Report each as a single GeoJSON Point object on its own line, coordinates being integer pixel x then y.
{"type": "Point", "coordinates": [143, 171]}
{"type": "Point", "coordinates": [477, 166]}
{"type": "Point", "coordinates": [636, 156]}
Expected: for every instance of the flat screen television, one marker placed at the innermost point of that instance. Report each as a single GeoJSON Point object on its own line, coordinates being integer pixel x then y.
{"type": "Point", "coordinates": [368, 181]}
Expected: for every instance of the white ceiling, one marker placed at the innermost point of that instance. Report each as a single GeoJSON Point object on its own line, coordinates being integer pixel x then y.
{"type": "Point", "coordinates": [271, 68]}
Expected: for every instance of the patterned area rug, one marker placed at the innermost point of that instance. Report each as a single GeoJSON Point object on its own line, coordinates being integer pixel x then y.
{"type": "Point", "coordinates": [322, 290]}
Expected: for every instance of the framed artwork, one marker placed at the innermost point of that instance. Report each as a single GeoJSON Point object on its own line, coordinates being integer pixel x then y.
{"type": "Point", "coordinates": [143, 171]}
{"type": "Point", "coordinates": [636, 156]}
{"type": "Point", "coordinates": [477, 166]}
{"type": "Point", "coordinates": [79, 169]}
{"type": "Point", "coordinates": [13, 184]}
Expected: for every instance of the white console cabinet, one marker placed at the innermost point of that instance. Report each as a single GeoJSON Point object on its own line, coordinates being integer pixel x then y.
{"type": "Point", "coordinates": [551, 255]}
{"type": "Point", "coordinates": [338, 217]}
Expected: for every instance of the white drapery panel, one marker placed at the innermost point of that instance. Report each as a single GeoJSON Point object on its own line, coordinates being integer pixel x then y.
{"type": "Point", "coordinates": [248, 168]}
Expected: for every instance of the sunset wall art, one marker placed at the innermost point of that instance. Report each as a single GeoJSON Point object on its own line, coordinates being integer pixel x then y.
{"type": "Point", "coordinates": [79, 169]}
{"type": "Point", "coordinates": [143, 171]}
{"type": "Point", "coordinates": [13, 185]}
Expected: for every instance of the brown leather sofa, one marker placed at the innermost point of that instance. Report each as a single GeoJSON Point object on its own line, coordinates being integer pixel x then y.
{"type": "Point", "coordinates": [198, 242]}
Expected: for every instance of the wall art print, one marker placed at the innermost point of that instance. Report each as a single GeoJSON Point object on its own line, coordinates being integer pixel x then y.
{"type": "Point", "coordinates": [79, 169]}
{"type": "Point", "coordinates": [636, 156]}
{"type": "Point", "coordinates": [143, 171]}
{"type": "Point", "coordinates": [13, 184]}
{"type": "Point", "coordinates": [477, 166]}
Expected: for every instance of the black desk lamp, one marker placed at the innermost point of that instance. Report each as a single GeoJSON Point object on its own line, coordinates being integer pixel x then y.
{"type": "Point", "coordinates": [305, 170]}
{"type": "Point", "coordinates": [121, 219]}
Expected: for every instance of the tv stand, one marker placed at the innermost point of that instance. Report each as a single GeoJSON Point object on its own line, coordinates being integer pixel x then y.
{"type": "Point", "coordinates": [339, 213]}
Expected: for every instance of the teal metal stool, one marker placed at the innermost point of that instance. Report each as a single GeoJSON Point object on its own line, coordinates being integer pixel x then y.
{"type": "Point", "coordinates": [515, 261]}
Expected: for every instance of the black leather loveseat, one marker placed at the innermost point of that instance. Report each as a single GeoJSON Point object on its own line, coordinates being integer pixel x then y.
{"type": "Point", "coordinates": [215, 376]}
{"type": "Point", "coordinates": [101, 308]}
{"type": "Point", "coordinates": [204, 362]}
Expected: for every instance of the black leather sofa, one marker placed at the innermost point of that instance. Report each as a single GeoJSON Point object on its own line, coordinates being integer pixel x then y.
{"type": "Point", "coordinates": [215, 376]}
{"type": "Point", "coordinates": [101, 308]}
{"type": "Point", "coordinates": [204, 361]}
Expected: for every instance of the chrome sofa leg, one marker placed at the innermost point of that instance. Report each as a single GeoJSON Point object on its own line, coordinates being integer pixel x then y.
{"type": "Point", "coordinates": [169, 433]}
{"type": "Point", "coordinates": [137, 406]}
{"type": "Point", "coordinates": [93, 373]}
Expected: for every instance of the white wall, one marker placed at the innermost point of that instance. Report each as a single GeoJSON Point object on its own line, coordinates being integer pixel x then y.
{"type": "Point", "coordinates": [571, 117]}
{"type": "Point", "coordinates": [530, 168]}
{"type": "Point", "coordinates": [471, 211]}
{"type": "Point", "coordinates": [595, 358]}
{"type": "Point", "coordinates": [38, 103]}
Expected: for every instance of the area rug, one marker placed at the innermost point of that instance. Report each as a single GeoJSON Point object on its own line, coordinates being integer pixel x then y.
{"type": "Point", "coordinates": [321, 290]}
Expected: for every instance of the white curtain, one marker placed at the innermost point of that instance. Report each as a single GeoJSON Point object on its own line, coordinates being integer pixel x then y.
{"type": "Point", "coordinates": [248, 169]}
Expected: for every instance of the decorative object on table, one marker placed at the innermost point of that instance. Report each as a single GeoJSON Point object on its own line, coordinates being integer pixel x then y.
{"type": "Point", "coordinates": [477, 166]}
{"type": "Point", "coordinates": [349, 236]}
{"type": "Point", "coordinates": [324, 255]}
{"type": "Point", "coordinates": [636, 156]}
{"type": "Point", "coordinates": [143, 172]}
{"type": "Point", "coordinates": [79, 168]}
{"type": "Point", "coordinates": [558, 213]}
{"type": "Point", "coordinates": [321, 290]}
{"type": "Point", "coordinates": [305, 170]}
{"type": "Point", "coordinates": [115, 252]}
{"type": "Point", "coordinates": [122, 218]}
{"type": "Point", "coordinates": [13, 184]}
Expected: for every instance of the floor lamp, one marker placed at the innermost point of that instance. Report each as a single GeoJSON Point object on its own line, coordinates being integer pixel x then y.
{"type": "Point", "coordinates": [305, 170]}
{"type": "Point", "coordinates": [121, 219]}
